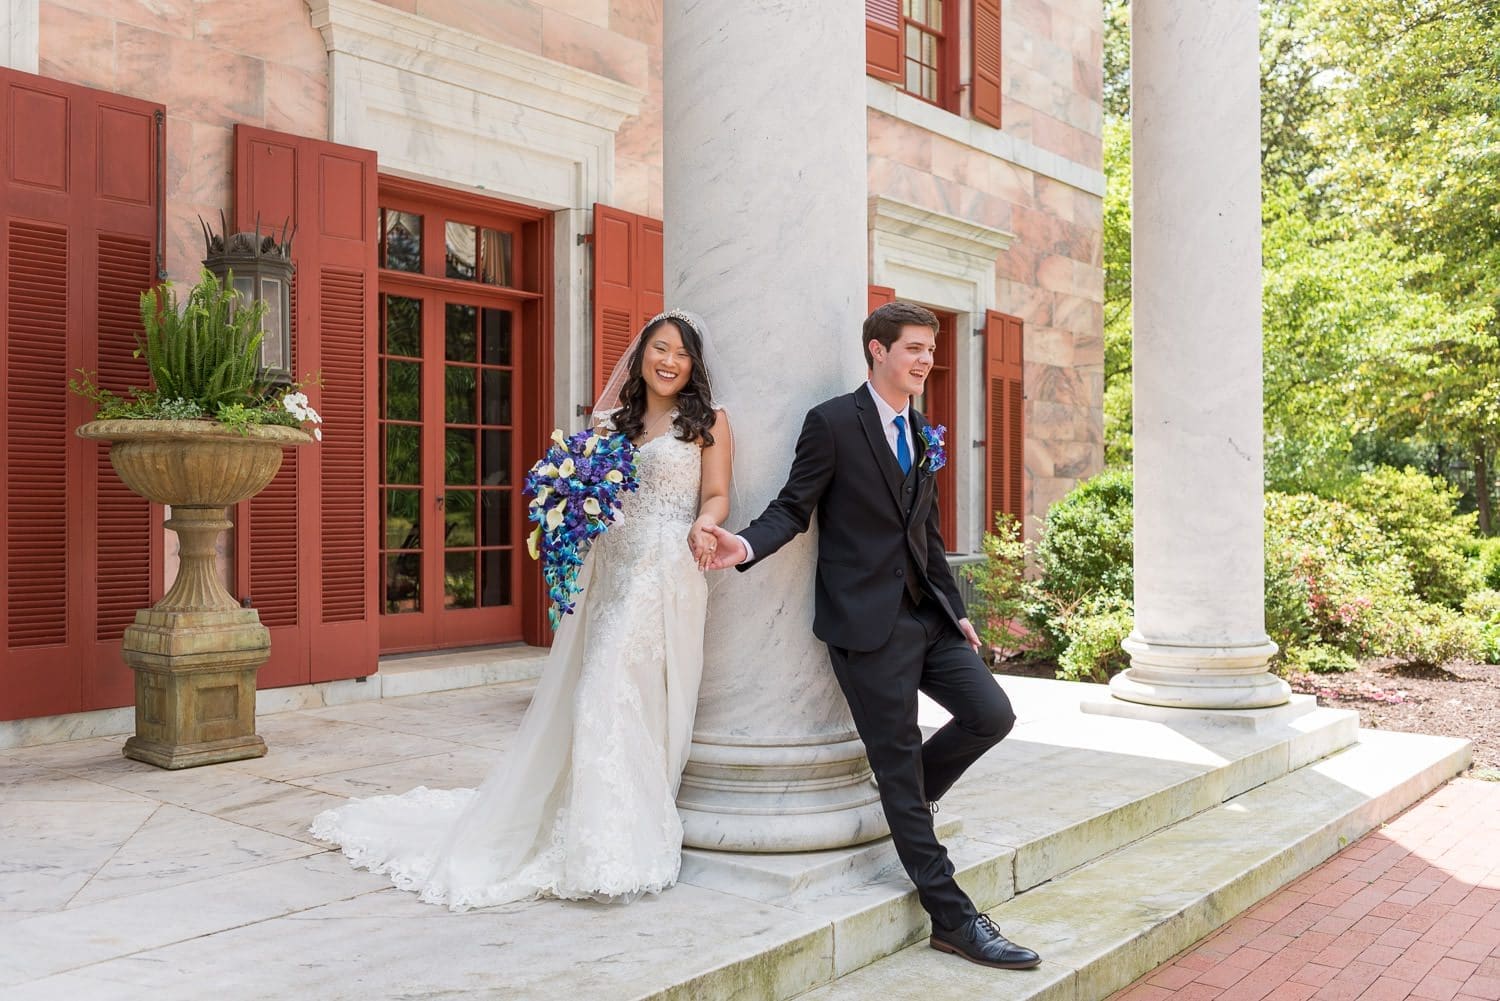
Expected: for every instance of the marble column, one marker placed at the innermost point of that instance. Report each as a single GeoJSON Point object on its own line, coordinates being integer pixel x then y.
{"type": "Point", "coordinates": [1200, 638]}
{"type": "Point", "coordinates": [764, 215]}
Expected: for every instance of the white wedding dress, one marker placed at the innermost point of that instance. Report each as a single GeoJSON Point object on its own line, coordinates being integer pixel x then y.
{"type": "Point", "coordinates": [582, 806]}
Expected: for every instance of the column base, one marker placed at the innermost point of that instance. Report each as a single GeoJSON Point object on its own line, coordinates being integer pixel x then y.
{"type": "Point", "coordinates": [1199, 677]}
{"type": "Point", "coordinates": [778, 797]}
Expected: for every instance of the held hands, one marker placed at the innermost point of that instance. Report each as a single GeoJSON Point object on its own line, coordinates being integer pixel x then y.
{"type": "Point", "coordinates": [729, 550]}
{"type": "Point", "coordinates": [702, 542]}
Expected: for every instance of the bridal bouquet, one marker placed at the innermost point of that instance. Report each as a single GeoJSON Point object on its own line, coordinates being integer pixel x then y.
{"type": "Point", "coordinates": [576, 492]}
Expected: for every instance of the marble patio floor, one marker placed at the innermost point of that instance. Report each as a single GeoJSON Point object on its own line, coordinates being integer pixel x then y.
{"type": "Point", "coordinates": [119, 880]}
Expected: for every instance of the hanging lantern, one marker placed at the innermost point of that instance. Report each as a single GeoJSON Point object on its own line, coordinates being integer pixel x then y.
{"type": "Point", "coordinates": [260, 269]}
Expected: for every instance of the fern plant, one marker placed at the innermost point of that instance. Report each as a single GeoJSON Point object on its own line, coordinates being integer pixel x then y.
{"type": "Point", "coordinates": [204, 359]}
{"type": "Point", "coordinates": [206, 351]}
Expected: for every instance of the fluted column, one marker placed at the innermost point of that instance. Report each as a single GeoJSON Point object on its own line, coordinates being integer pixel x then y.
{"type": "Point", "coordinates": [1200, 638]}
{"type": "Point", "coordinates": [764, 159]}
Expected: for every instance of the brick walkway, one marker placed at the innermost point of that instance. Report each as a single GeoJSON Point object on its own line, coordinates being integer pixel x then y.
{"type": "Point", "coordinates": [1410, 910]}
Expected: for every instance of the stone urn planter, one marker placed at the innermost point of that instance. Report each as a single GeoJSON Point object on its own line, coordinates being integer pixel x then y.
{"type": "Point", "coordinates": [196, 652]}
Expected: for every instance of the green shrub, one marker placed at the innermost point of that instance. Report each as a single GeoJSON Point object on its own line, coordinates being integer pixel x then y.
{"type": "Point", "coordinates": [1084, 558]}
{"type": "Point", "coordinates": [1320, 658]}
{"type": "Point", "coordinates": [1482, 608]}
{"type": "Point", "coordinates": [1334, 579]}
{"type": "Point", "coordinates": [1485, 555]}
{"type": "Point", "coordinates": [1094, 633]}
{"type": "Point", "coordinates": [1419, 514]}
{"type": "Point", "coordinates": [999, 586]}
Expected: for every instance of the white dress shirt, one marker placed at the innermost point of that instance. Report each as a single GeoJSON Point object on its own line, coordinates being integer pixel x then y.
{"type": "Point", "coordinates": [888, 415]}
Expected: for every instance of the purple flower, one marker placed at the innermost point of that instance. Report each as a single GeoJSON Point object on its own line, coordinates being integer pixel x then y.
{"type": "Point", "coordinates": [576, 494]}
{"type": "Point", "coordinates": [934, 457]}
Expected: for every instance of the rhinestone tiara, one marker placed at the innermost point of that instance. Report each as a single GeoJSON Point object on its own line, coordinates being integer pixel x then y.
{"type": "Point", "coordinates": [674, 314]}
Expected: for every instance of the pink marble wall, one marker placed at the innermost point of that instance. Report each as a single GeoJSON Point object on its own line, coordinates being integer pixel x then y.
{"type": "Point", "coordinates": [1051, 89]}
{"type": "Point", "coordinates": [213, 63]}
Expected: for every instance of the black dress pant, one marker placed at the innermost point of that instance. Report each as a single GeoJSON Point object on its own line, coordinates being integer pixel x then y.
{"type": "Point", "coordinates": [925, 653]}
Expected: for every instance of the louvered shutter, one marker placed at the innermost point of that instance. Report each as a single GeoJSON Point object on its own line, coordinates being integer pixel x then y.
{"type": "Point", "coordinates": [306, 544]}
{"type": "Point", "coordinates": [1005, 406]}
{"type": "Point", "coordinates": [985, 35]}
{"type": "Point", "coordinates": [629, 286]}
{"type": "Point", "coordinates": [79, 194]}
{"type": "Point", "coordinates": [883, 42]}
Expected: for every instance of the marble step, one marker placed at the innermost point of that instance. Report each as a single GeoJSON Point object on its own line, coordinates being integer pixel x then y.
{"type": "Point", "coordinates": [1101, 926]}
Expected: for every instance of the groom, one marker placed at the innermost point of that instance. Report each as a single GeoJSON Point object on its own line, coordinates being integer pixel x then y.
{"type": "Point", "coordinates": [889, 610]}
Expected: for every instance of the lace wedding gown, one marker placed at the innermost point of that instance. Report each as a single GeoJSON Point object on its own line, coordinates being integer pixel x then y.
{"type": "Point", "coordinates": [582, 806]}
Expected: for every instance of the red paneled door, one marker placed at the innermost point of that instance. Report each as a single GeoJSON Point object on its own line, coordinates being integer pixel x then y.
{"type": "Point", "coordinates": [306, 545]}
{"type": "Point", "coordinates": [80, 189]}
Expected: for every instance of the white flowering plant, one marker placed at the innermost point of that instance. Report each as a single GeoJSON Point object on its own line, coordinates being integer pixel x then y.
{"type": "Point", "coordinates": [204, 359]}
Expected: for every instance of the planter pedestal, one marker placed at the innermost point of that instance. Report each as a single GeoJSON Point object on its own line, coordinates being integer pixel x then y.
{"type": "Point", "coordinates": [195, 686]}
{"type": "Point", "coordinates": [196, 652]}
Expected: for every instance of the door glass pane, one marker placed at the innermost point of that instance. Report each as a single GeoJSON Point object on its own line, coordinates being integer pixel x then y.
{"type": "Point", "coordinates": [495, 577]}
{"type": "Point", "coordinates": [458, 580]}
{"type": "Point", "coordinates": [403, 583]}
{"type": "Point", "coordinates": [458, 398]}
{"type": "Point", "coordinates": [403, 454]}
{"type": "Point", "coordinates": [495, 257]}
{"type": "Point", "coordinates": [496, 458]}
{"type": "Point", "coordinates": [458, 518]}
{"type": "Point", "coordinates": [497, 337]}
{"type": "Point", "coordinates": [496, 397]}
{"type": "Point", "coordinates": [461, 252]}
{"type": "Point", "coordinates": [403, 530]}
{"type": "Point", "coordinates": [458, 457]}
{"type": "Point", "coordinates": [401, 242]}
{"type": "Point", "coordinates": [402, 326]}
{"type": "Point", "coordinates": [461, 332]}
{"type": "Point", "coordinates": [403, 390]}
{"type": "Point", "coordinates": [495, 518]}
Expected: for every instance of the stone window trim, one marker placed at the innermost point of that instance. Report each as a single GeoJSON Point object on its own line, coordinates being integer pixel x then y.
{"type": "Point", "coordinates": [20, 35]}
{"type": "Point", "coordinates": [441, 105]}
{"type": "Point", "coordinates": [891, 100]}
{"type": "Point", "coordinates": [948, 264]}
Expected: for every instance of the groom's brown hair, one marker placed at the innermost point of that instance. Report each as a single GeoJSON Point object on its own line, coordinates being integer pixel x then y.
{"type": "Point", "coordinates": [884, 325]}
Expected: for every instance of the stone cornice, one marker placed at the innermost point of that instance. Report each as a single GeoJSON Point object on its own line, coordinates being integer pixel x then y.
{"type": "Point", "coordinates": [946, 232]}
{"type": "Point", "coordinates": [383, 34]}
{"type": "Point", "coordinates": [19, 34]}
{"type": "Point", "coordinates": [891, 100]}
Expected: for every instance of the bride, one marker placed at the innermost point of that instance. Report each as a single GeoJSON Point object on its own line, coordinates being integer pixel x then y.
{"type": "Point", "coordinates": [583, 806]}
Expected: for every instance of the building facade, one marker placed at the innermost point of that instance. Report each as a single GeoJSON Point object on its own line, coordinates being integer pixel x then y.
{"type": "Point", "coordinates": [476, 191]}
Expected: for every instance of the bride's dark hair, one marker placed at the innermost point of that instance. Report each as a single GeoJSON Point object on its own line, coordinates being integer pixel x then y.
{"type": "Point", "coordinates": [695, 410]}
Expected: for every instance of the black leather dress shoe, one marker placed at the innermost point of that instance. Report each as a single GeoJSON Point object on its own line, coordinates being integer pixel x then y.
{"type": "Point", "coordinates": [979, 941]}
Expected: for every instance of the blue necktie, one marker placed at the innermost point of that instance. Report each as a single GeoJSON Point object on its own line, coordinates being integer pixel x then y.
{"type": "Point", "coordinates": [903, 450]}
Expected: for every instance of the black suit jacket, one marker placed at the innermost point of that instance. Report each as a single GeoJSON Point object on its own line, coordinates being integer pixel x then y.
{"type": "Point", "coordinates": [844, 471]}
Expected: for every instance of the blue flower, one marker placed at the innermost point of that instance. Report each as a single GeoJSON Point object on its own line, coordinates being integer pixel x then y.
{"type": "Point", "coordinates": [934, 457]}
{"type": "Point", "coordinates": [576, 492]}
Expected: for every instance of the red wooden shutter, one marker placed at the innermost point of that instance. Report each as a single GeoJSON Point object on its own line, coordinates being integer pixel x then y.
{"type": "Point", "coordinates": [79, 193]}
{"type": "Point", "coordinates": [884, 48]}
{"type": "Point", "coordinates": [306, 545]}
{"type": "Point", "coordinates": [985, 33]}
{"type": "Point", "coordinates": [629, 286]}
{"type": "Point", "coordinates": [1005, 484]}
{"type": "Point", "coordinates": [880, 295]}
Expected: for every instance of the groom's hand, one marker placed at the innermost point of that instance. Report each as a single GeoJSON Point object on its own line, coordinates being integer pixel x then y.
{"type": "Point", "coordinates": [729, 552]}
{"type": "Point", "coordinates": [967, 628]}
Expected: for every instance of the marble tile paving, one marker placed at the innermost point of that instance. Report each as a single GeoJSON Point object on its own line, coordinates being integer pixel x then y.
{"type": "Point", "coordinates": [120, 880]}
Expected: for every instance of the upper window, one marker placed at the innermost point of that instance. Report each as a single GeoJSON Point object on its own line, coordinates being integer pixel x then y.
{"type": "Point", "coordinates": [926, 49]}
{"type": "Point", "coordinates": [914, 44]}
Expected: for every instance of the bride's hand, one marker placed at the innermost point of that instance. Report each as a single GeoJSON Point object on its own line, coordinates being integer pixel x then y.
{"type": "Point", "coordinates": [702, 542]}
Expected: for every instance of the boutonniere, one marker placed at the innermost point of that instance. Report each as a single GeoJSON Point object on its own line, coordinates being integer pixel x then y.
{"type": "Point", "coordinates": [933, 458]}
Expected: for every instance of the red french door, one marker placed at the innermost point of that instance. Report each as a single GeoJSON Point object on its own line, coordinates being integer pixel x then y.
{"type": "Point", "coordinates": [450, 469]}
{"type": "Point", "coordinates": [461, 412]}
